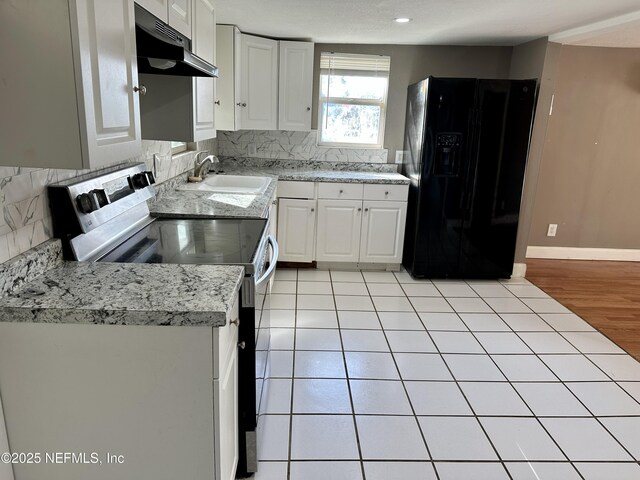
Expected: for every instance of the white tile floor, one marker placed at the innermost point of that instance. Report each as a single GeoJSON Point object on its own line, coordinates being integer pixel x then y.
{"type": "Point", "coordinates": [378, 376]}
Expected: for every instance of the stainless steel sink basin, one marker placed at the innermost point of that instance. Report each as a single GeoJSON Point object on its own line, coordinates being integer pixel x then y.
{"type": "Point", "coordinates": [241, 184]}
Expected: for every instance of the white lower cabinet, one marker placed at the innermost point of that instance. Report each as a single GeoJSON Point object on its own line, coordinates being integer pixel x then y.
{"type": "Point", "coordinates": [163, 397]}
{"type": "Point", "coordinates": [296, 229]}
{"type": "Point", "coordinates": [338, 237]}
{"type": "Point", "coordinates": [225, 414]}
{"type": "Point", "coordinates": [356, 223]}
{"type": "Point", "coordinates": [382, 231]}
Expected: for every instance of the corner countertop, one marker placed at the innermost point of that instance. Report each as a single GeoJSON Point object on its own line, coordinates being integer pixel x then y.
{"type": "Point", "coordinates": [190, 204]}
{"type": "Point", "coordinates": [126, 294]}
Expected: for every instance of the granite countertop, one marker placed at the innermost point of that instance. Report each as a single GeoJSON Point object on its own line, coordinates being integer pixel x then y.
{"type": "Point", "coordinates": [126, 294]}
{"type": "Point", "coordinates": [193, 204]}
{"type": "Point", "coordinates": [319, 175]}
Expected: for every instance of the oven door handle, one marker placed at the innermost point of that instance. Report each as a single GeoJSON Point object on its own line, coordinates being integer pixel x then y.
{"type": "Point", "coordinates": [274, 260]}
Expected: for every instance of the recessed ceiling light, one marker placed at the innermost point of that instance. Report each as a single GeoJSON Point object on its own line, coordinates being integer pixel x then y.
{"type": "Point", "coordinates": [402, 20]}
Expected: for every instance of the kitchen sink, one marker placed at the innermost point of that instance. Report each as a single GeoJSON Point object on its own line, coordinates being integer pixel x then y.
{"type": "Point", "coordinates": [242, 184]}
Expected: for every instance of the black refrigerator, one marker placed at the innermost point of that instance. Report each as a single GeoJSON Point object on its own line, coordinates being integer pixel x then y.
{"type": "Point", "coordinates": [466, 146]}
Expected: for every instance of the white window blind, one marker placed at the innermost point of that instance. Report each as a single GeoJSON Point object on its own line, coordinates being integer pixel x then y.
{"type": "Point", "coordinates": [373, 64]}
{"type": "Point", "coordinates": [353, 96]}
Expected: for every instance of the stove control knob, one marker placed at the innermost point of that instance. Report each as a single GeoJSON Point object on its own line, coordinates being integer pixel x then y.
{"type": "Point", "coordinates": [150, 176]}
{"type": "Point", "coordinates": [100, 196]}
{"type": "Point", "coordinates": [140, 180]}
{"type": "Point", "coordinates": [86, 203]}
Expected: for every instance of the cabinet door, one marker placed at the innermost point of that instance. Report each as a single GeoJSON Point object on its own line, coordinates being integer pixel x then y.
{"type": "Point", "coordinates": [180, 16]}
{"type": "Point", "coordinates": [108, 73]}
{"type": "Point", "coordinates": [338, 238]}
{"type": "Point", "coordinates": [296, 229]}
{"type": "Point", "coordinates": [225, 390]}
{"type": "Point", "coordinates": [204, 45]}
{"type": "Point", "coordinates": [227, 58]}
{"type": "Point", "coordinates": [383, 232]}
{"type": "Point", "coordinates": [159, 8]}
{"type": "Point", "coordinates": [296, 85]}
{"type": "Point", "coordinates": [259, 83]}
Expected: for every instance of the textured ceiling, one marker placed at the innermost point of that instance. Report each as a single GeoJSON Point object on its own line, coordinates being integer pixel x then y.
{"type": "Point", "coordinates": [435, 22]}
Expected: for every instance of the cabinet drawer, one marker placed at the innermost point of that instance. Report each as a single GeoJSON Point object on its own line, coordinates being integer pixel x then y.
{"type": "Point", "coordinates": [340, 191]}
{"type": "Point", "coordinates": [296, 190]}
{"type": "Point", "coordinates": [397, 193]}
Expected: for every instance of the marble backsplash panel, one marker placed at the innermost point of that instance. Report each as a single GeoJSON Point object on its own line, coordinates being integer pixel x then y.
{"type": "Point", "coordinates": [287, 145]}
{"type": "Point", "coordinates": [26, 217]}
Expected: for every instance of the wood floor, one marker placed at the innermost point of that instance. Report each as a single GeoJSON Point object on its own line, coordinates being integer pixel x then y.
{"type": "Point", "coordinates": [605, 294]}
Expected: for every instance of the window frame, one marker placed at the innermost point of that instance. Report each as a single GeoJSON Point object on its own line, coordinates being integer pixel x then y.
{"type": "Point", "coordinates": [382, 104]}
{"type": "Point", "coordinates": [181, 148]}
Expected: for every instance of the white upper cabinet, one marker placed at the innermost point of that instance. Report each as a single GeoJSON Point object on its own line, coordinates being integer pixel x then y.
{"type": "Point", "coordinates": [182, 108]}
{"type": "Point", "coordinates": [159, 8]}
{"type": "Point", "coordinates": [258, 99]}
{"type": "Point", "coordinates": [68, 99]}
{"type": "Point", "coordinates": [109, 76]}
{"type": "Point", "coordinates": [204, 46]}
{"type": "Point", "coordinates": [176, 13]}
{"type": "Point", "coordinates": [228, 40]}
{"type": "Point", "coordinates": [180, 16]}
{"type": "Point", "coordinates": [296, 85]}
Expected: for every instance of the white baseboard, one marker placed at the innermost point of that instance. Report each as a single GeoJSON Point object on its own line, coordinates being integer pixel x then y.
{"type": "Point", "coordinates": [575, 253]}
{"type": "Point", "coordinates": [519, 270]}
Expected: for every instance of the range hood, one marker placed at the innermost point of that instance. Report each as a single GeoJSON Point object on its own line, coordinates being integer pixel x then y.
{"type": "Point", "coordinates": [162, 50]}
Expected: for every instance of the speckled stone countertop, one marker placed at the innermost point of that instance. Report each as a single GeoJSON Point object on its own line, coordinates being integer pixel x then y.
{"type": "Point", "coordinates": [300, 171]}
{"type": "Point", "coordinates": [325, 175]}
{"type": "Point", "coordinates": [190, 204]}
{"type": "Point", "coordinates": [126, 294]}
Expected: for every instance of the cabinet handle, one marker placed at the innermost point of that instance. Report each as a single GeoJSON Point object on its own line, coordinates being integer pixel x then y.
{"type": "Point", "coordinates": [241, 345]}
{"type": "Point", "coordinates": [142, 90]}
{"type": "Point", "coordinates": [308, 109]}
{"type": "Point", "coordinates": [341, 191]}
{"type": "Point", "coordinates": [366, 209]}
{"type": "Point", "coordinates": [241, 104]}
{"type": "Point", "coordinates": [217, 102]}
{"type": "Point", "coordinates": [386, 193]}
{"type": "Point", "coordinates": [235, 322]}
{"type": "Point", "coordinates": [313, 209]}
{"type": "Point", "coordinates": [359, 209]}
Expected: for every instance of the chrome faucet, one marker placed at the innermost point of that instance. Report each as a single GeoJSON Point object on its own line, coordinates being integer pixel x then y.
{"type": "Point", "coordinates": [201, 167]}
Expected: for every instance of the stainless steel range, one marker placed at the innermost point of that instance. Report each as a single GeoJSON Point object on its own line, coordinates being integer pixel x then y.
{"type": "Point", "coordinates": [104, 217]}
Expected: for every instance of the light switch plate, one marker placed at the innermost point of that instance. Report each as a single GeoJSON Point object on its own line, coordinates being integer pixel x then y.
{"type": "Point", "coordinates": [552, 230]}
{"type": "Point", "coordinates": [251, 149]}
{"type": "Point", "coordinates": [399, 156]}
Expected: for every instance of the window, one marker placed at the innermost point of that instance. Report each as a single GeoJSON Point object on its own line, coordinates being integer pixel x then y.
{"type": "Point", "coordinates": [178, 147]}
{"type": "Point", "coordinates": [353, 97]}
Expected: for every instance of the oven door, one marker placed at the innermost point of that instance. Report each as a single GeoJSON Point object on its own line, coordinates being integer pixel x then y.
{"type": "Point", "coordinates": [253, 359]}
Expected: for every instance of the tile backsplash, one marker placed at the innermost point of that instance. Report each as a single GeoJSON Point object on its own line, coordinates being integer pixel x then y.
{"type": "Point", "coordinates": [287, 145]}
{"type": "Point", "coordinates": [26, 219]}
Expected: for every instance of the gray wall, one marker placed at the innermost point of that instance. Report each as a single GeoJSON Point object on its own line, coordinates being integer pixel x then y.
{"type": "Point", "coordinates": [411, 63]}
{"type": "Point", "coordinates": [588, 182]}
{"type": "Point", "coordinates": [535, 59]}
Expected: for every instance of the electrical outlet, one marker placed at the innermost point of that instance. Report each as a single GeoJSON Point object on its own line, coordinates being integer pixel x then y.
{"type": "Point", "coordinates": [399, 156]}
{"type": "Point", "coordinates": [551, 231]}
{"type": "Point", "coordinates": [251, 149]}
